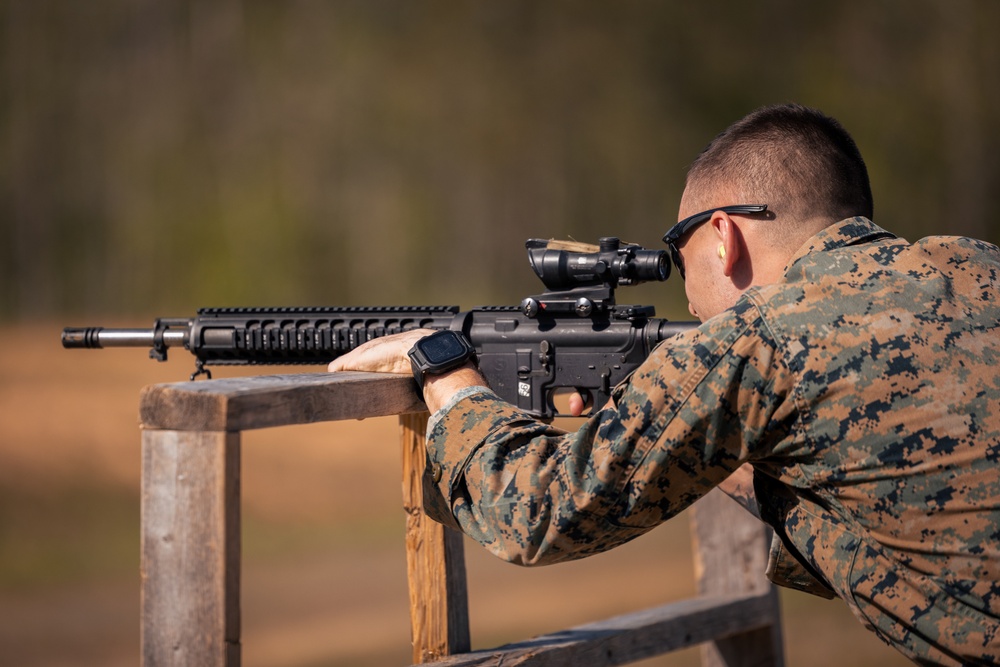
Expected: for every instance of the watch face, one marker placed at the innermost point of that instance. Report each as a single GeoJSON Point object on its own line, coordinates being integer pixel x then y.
{"type": "Point", "coordinates": [439, 349]}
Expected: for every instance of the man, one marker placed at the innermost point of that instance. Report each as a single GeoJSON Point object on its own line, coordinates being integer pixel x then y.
{"type": "Point", "coordinates": [846, 376]}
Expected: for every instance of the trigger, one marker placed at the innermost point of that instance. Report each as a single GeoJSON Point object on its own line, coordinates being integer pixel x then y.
{"type": "Point", "coordinates": [586, 402]}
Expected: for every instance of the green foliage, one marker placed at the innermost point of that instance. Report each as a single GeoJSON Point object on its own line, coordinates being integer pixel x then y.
{"type": "Point", "coordinates": [157, 157]}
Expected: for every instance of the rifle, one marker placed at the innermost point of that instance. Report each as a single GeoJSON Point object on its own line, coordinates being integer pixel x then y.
{"type": "Point", "coordinates": [572, 336]}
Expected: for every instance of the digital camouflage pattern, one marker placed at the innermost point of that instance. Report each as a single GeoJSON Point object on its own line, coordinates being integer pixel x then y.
{"type": "Point", "coordinates": [864, 388]}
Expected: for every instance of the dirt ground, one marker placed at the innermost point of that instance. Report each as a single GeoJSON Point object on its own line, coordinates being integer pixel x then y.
{"type": "Point", "coordinates": [324, 577]}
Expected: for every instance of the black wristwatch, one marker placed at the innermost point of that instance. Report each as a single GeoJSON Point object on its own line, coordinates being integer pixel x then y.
{"type": "Point", "coordinates": [439, 353]}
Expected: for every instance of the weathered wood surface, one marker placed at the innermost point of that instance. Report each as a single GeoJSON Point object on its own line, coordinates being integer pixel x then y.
{"type": "Point", "coordinates": [435, 561]}
{"type": "Point", "coordinates": [191, 540]}
{"type": "Point", "coordinates": [190, 548]}
{"type": "Point", "coordinates": [630, 637]}
{"type": "Point", "coordinates": [730, 552]}
{"type": "Point", "coordinates": [239, 404]}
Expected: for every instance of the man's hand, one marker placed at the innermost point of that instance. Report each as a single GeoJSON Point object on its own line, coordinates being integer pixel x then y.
{"type": "Point", "coordinates": [739, 487]}
{"type": "Point", "coordinates": [388, 355]}
{"type": "Point", "coordinates": [381, 355]}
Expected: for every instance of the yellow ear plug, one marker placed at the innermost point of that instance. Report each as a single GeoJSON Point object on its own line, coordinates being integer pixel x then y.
{"type": "Point", "coordinates": [722, 252]}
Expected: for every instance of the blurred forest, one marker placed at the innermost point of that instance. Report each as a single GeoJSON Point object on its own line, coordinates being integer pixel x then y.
{"type": "Point", "coordinates": [161, 156]}
{"type": "Point", "coordinates": [157, 156]}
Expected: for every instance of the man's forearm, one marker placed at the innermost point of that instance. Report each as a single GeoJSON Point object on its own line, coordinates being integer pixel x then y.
{"type": "Point", "coordinates": [438, 389]}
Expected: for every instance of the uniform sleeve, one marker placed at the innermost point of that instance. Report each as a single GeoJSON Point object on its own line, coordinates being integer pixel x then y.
{"type": "Point", "coordinates": [702, 404]}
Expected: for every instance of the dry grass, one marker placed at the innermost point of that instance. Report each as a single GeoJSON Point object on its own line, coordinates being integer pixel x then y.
{"type": "Point", "coordinates": [324, 571]}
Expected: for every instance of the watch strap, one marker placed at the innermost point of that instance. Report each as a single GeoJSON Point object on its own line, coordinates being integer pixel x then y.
{"type": "Point", "coordinates": [422, 367]}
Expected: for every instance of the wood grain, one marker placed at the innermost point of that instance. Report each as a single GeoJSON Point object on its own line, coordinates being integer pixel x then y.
{"type": "Point", "coordinates": [624, 639]}
{"type": "Point", "coordinates": [238, 404]}
{"type": "Point", "coordinates": [730, 553]}
{"type": "Point", "coordinates": [435, 561]}
{"type": "Point", "coordinates": [190, 549]}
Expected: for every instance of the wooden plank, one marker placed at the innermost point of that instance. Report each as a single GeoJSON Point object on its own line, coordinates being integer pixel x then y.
{"type": "Point", "coordinates": [435, 560]}
{"type": "Point", "coordinates": [237, 404]}
{"type": "Point", "coordinates": [730, 553]}
{"type": "Point", "coordinates": [624, 639]}
{"type": "Point", "coordinates": [190, 561]}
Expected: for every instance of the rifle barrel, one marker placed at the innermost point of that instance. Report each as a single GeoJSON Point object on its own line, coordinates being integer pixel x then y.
{"type": "Point", "coordinates": [96, 337]}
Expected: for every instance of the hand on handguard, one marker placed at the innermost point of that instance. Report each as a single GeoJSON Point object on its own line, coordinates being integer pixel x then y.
{"type": "Point", "coordinates": [381, 355]}
{"type": "Point", "coordinates": [389, 355]}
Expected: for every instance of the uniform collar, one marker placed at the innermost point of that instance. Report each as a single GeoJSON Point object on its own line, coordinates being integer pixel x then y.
{"type": "Point", "coordinates": [851, 231]}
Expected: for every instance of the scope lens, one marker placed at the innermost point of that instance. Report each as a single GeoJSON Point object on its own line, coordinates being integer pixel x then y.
{"type": "Point", "coordinates": [651, 265]}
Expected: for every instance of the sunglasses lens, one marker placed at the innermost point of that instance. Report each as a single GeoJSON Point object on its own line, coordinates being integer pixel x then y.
{"type": "Point", "coordinates": [675, 256]}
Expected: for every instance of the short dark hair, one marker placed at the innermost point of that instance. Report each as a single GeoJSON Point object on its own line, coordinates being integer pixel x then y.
{"type": "Point", "coordinates": [800, 162]}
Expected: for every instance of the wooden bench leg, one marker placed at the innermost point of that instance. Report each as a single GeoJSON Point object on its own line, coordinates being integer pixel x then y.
{"type": "Point", "coordinates": [730, 556]}
{"type": "Point", "coordinates": [435, 561]}
{"type": "Point", "coordinates": [190, 548]}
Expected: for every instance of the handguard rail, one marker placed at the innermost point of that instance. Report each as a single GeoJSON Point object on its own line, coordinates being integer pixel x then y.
{"type": "Point", "coordinates": [190, 563]}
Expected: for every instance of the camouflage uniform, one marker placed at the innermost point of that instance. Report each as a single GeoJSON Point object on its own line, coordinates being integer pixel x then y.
{"type": "Point", "coordinates": [864, 388]}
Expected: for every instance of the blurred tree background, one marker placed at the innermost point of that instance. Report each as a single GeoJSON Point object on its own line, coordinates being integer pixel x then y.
{"type": "Point", "coordinates": [159, 156]}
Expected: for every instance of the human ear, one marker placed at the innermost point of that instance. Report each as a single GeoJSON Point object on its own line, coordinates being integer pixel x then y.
{"type": "Point", "coordinates": [729, 241]}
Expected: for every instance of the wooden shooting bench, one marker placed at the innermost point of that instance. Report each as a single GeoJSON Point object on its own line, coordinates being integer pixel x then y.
{"type": "Point", "coordinates": [191, 540]}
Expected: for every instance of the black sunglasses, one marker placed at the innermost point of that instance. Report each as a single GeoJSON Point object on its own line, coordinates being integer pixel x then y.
{"type": "Point", "coordinates": [675, 233]}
